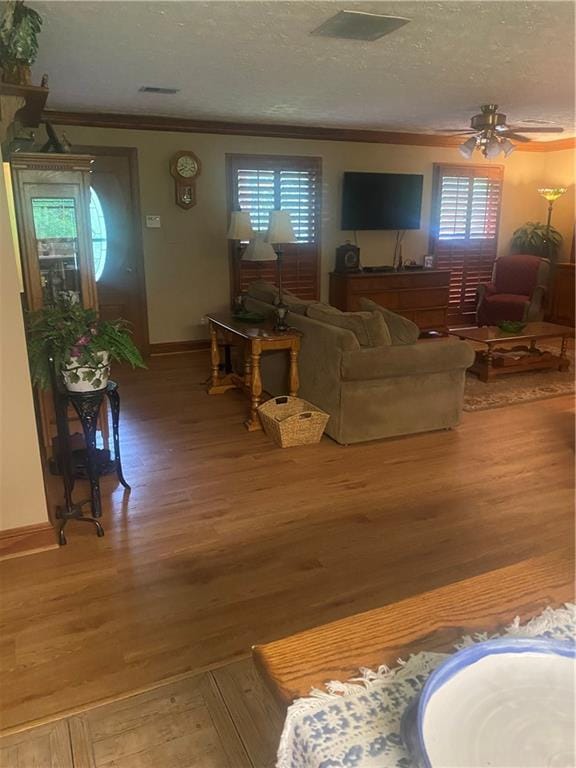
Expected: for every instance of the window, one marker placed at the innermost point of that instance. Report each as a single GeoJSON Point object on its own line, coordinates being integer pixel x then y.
{"type": "Point", "coordinates": [464, 236]}
{"type": "Point", "coordinates": [99, 237]}
{"type": "Point", "coordinates": [263, 183]}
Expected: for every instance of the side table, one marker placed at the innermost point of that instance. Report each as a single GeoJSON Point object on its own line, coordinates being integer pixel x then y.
{"type": "Point", "coordinates": [87, 405]}
{"type": "Point", "coordinates": [256, 339]}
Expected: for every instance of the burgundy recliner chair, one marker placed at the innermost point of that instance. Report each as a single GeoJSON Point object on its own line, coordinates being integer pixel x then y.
{"type": "Point", "coordinates": [517, 291]}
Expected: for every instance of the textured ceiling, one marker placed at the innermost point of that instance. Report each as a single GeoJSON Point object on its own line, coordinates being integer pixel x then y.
{"type": "Point", "coordinates": [256, 61]}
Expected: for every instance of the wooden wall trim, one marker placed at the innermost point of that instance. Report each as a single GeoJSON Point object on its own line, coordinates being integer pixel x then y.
{"type": "Point", "coordinates": [173, 347]}
{"type": "Point", "coordinates": [15, 542]}
{"type": "Point", "coordinates": [187, 125]}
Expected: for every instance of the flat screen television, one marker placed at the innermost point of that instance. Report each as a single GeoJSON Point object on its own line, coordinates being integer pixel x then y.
{"type": "Point", "coordinates": [381, 200]}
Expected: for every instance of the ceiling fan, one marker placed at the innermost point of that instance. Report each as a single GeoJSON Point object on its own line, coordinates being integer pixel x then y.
{"type": "Point", "coordinates": [491, 133]}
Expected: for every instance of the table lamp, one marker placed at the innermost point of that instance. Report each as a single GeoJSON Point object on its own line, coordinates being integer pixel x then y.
{"type": "Point", "coordinates": [240, 229]}
{"type": "Point", "coordinates": [280, 231]}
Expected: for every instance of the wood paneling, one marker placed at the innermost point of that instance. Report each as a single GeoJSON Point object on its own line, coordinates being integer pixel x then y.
{"type": "Point", "coordinates": [420, 296]}
{"type": "Point", "coordinates": [15, 542]}
{"type": "Point", "coordinates": [45, 747]}
{"type": "Point", "coordinates": [186, 125]}
{"type": "Point", "coordinates": [433, 621]}
{"type": "Point", "coordinates": [226, 540]}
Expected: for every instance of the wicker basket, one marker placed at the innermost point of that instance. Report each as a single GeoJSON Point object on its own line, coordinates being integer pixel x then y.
{"type": "Point", "coordinates": [290, 421]}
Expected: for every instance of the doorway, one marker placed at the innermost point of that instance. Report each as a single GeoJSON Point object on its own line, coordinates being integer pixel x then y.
{"type": "Point", "coordinates": [117, 238]}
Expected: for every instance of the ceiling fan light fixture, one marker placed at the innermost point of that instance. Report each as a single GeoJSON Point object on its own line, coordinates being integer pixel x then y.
{"type": "Point", "coordinates": [492, 148]}
{"type": "Point", "coordinates": [507, 147]}
{"type": "Point", "coordinates": [467, 149]}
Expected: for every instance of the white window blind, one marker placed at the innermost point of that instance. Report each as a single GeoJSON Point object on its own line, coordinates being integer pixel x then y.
{"type": "Point", "coordinates": [465, 218]}
{"type": "Point", "coordinates": [260, 184]}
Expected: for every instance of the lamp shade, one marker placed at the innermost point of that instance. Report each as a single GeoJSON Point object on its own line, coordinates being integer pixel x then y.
{"type": "Point", "coordinates": [468, 147]}
{"type": "Point", "coordinates": [280, 228]}
{"type": "Point", "coordinates": [258, 250]}
{"type": "Point", "coordinates": [240, 226]}
{"type": "Point", "coordinates": [552, 193]}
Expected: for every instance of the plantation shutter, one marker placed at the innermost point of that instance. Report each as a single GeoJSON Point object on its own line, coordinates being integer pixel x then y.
{"type": "Point", "coordinates": [464, 235]}
{"type": "Point", "coordinates": [260, 184]}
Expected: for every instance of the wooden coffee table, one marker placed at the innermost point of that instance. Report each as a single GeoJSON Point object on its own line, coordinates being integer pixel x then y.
{"type": "Point", "coordinates": [497, 358]}
{"type": "Point", "coordinates": [255, 339]}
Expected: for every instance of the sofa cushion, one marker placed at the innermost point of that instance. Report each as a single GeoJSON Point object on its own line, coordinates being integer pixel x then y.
{"type": "Point", "coordinates": [295, 304]}
{"type": "Point", "coordinates": [369, 327]}
{"type": "Point", "coordinates": [402, 330]}
{"type": "Point", "coordinates": [263, 291]}
{"type": "Point", "coordinates": [427, 357]}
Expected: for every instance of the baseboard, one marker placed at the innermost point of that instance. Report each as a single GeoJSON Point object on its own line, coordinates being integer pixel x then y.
{"type": "Point", "coordinates": [173, 347]}
{"type": "Point", "coordinates": [15, 542]}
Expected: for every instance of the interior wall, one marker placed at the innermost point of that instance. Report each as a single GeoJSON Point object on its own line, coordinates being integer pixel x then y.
{"type": "Point", "coordinates": [186, 260]}
{"type": "Point", "coordinates": [22, 497]}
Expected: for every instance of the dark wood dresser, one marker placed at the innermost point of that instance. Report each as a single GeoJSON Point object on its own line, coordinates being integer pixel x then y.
{"type": "Point", "coordinates": [419, 295]}
{"type": "Point", "coordinates": [561, 297]}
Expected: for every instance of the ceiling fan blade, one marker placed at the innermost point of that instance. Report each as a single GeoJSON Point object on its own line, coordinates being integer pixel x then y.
{"type": "Point", "coordinates": [512, 135]}
{"type": "Point", "coordinates": [454, 130]}
{"type": "Point", "coordinates": [533, 129]}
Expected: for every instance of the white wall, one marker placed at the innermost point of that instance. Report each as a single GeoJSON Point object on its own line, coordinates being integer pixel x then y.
{"type": "Point", "coordinates": [22, 498]}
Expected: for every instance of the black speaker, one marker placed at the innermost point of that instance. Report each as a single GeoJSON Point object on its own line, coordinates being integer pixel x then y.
{"type": "Point", "coordinates": [347, 258]}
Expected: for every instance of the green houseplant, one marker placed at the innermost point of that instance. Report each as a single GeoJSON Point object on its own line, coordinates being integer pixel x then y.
{"type": "Point", "coordinates": [19, 29]}
{"type": "Point", "coordinates": [80, 344]}
{"type": "Point", "coordinates": [537, 239]}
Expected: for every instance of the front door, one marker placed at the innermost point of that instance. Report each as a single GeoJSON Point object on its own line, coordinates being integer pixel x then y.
{"type": "Point", "coordinates": [116, 239]}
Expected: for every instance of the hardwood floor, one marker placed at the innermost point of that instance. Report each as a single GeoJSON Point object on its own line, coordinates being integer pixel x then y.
{"type": "Point", "coordinates": [220, 719]}
{"type": "Point", "coordinates": [226, 540]}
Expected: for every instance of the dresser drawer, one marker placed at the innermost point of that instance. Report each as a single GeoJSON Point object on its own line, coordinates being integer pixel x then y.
{"type": "Point", "coordinates": [431, 297]}
{"type": "Point", "coordinates": [430, 318]}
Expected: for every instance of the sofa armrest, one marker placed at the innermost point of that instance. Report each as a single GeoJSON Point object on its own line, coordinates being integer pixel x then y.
{"type": "Point", "coordinates": [411, 360]}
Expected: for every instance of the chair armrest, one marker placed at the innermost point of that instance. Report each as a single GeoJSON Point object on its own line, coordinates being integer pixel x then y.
{"type": "Point", "coordinates": [485, 289]}
{"type": "Point", "coordinates": [410, 360]}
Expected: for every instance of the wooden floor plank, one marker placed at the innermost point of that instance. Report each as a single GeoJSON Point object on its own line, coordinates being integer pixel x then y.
{"type": "Point", "coordinates": [227, 541]}
{"type": "Point", "coordinates": [254, 712]}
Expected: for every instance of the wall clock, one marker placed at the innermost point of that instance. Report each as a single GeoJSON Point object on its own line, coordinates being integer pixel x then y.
{"type": "Point", "coordinates": [185, 169]}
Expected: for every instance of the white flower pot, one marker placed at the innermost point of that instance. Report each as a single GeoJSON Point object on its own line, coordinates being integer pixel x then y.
{"type": "Point", "coordinates": [82, 378]}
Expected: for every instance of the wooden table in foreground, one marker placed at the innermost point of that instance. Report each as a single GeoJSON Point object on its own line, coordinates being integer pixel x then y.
{"type": "Point", "coordinates": [256, 339]}
{"type": "Point", "coordinates": [432, 621]}
{"type": "Point", "coordinates": [485, 366]}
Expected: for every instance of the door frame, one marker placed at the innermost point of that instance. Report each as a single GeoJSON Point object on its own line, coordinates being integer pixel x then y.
{"type": "Point", "coordinates": [136, 224]}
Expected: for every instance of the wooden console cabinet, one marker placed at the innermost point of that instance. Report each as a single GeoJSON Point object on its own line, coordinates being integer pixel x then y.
{"type": "Point", "coordinates": [561, 302]}
{"type": "Point", "coordinates": [419, 295]}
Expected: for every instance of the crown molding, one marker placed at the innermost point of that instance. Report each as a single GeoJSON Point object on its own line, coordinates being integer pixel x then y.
{"type": "Point", "coordinates": [270, 130]}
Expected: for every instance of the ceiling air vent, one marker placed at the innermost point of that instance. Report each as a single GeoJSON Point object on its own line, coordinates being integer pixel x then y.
{"type": "Point", "coordinates": [358, 25]}
{"type": "Point", "coordinates": [156, 89]}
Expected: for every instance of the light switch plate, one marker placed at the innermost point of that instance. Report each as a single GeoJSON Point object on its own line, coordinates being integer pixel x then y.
{"type": "Point", "coordinates": [153, 222]}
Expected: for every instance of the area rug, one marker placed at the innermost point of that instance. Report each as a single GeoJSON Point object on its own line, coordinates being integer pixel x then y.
{"type": "Point", "coordinates": [518, 388]}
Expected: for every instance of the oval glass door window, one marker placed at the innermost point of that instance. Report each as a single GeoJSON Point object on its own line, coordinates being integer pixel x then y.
{"type": "Point", "coordinates": [99, 237]}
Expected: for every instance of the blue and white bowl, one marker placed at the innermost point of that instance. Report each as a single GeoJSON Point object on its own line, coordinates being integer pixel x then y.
{"type": "Point", "coordinates": [506, 703]}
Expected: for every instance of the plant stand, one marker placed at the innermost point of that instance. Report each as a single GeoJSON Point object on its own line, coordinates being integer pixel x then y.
{"type": "Point", "coordinates": [87, 405]}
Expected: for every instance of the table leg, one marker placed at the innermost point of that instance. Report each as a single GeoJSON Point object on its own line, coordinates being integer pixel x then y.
{"type": "Point", "coordinates": [247, 369]}
{"type": "Point", "coordinates": [114, 399]}
{"type": "Point", "coordinates": [294, 378]}
{"type": "Point", "coordinates": [253, 422]}
{"type": "Point", "coordinates": [564, 364]}
{"type": "Point", "coordinates": [88, 409]}
{"type": "Point", "coordinates": [218, 383]}
{"type": "Point", "coordinates": [486, 373]}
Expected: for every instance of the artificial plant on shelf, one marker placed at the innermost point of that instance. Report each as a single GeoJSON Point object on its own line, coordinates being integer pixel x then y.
{"type": "Point", "coordinates": [537, 239]}
{"type": "Point", "coordinates": [79, 343]}
{"type": "Point", "coordinates": [19, 30]}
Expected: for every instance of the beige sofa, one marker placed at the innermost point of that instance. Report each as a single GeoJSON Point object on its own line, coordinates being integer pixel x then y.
{"type": "Point", "coordinates": [370, 392]}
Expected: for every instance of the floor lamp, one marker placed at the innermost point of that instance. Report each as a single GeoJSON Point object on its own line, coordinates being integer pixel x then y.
{"type": "Point", "coordinates": [551, 194]}
{"type": "Point", "coordinates": [280, 231]}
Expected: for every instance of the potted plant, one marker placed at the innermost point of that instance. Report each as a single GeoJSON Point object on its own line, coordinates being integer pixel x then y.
{"type": "Point", "coordinates": [19, 29]}
{"type": "Point", "coordinates": [537, 239]}
{"type": "Point", "coordinates": [80, 344]}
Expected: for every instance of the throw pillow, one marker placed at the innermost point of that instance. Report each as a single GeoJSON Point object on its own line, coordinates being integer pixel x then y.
{"type": "Point", "coordinates": [263, 291]}
{"type": "Point", "coordinates": [369, 327]}
{"type": "Point", "coordinates": [402, 330]}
